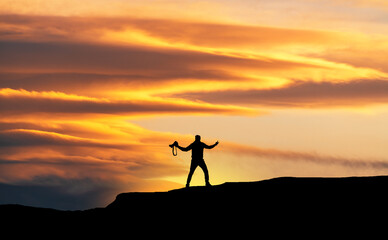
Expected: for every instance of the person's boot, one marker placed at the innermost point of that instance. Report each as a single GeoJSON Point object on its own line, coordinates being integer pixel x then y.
{"type": "Point", "coordinates": [187, 185]}
{"type": "Point", "coordinates": [208, 184]}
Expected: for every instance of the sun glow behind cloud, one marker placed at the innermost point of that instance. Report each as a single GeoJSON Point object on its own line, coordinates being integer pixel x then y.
{"type": "Point", "coordinates": [92, 92]}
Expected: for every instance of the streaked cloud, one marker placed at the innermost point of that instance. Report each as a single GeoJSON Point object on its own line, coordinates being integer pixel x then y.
{"type": "Point", "coordinates": [286, 155]}
{"type": "Point", "coordinates": [302, 95]}
{"type": "Point", "coordinates": [26, 102]}
{"type": "Point", "coordinates": [103, 159]}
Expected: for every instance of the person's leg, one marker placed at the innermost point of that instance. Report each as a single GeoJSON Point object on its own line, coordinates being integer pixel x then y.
{"type": "Point", "coordinates": [202, 164]}
{"type": "Point", "coordinates": [193, 166]}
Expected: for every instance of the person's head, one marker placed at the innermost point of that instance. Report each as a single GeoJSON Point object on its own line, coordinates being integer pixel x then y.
{"type": "Point", "coordinates": [197, 138]}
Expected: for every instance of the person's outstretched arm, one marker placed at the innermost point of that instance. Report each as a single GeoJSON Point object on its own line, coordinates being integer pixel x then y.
{"type": "Point", "coordinates": [185, 149]}
{"type": "Point", "coordinates": [211, 146]}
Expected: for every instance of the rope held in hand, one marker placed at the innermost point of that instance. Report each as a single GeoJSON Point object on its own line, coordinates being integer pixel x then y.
{"type": "Point", "coordinates": [176, 150]}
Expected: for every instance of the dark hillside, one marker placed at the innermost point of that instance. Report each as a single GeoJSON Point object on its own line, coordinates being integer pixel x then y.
{"type": "Point", "coordinates": [290, 204]}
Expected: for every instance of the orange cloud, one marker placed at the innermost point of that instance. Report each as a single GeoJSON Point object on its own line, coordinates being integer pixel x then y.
{"type": "Point", "coordinates": [25, 102]}
{"type": "Point", "coordinates": [225, 35]}
{"type": "Point", "coordinates": [30, 137]}
{"type": "Point", "coordinates": [103, 59]}
{"type": "Point", "coordinates": [164, 31]}
{"type": "Point", "coordinates": [157, 53]}
{"type": "Point", "coordinates": [101, 158]}
{"type": "Point", "coordinates": [302, 94]}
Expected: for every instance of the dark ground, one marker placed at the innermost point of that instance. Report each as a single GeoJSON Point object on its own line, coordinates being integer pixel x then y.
{"type": "Point", "coordinates": [278, 207]}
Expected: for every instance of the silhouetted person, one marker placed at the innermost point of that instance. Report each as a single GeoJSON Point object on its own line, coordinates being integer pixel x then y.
{"type": "Point", "coordinates": [197, 157]}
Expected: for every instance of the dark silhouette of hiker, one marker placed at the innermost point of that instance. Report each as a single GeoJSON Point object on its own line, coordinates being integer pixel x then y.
{"type": "Point", "coordinates": [197, 157]}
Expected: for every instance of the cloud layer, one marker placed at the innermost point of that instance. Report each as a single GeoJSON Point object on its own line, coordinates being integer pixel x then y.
{"type": "Point", "coordinates": [295, 156]}
{"type": "Point", "coordinates": [302, 95]}
{"type": "Point", "coordinates": [73, 77]}
{"type": "Point", "coordinates": [25, 102]}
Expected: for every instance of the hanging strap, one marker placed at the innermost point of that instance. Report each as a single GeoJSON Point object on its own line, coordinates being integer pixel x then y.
{"type": "Point", "coordinates": [174, 152]}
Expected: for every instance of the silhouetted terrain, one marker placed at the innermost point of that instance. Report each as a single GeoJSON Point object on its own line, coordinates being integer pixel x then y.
{"type": "Point", "coordinates": [287, 202]}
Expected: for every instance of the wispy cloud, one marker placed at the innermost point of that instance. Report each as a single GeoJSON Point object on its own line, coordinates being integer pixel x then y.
{"type": "Point", "coordinates": [312, 157]}
{"type": "Point", "coordinates": [302, 95]}
{"type": "Point", "coordinates": [102, 159]}
{"type": "Point", "coordinates": [25, 102]}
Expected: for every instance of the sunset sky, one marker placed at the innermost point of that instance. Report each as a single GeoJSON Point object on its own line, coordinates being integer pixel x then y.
{"type": "Point", "coordinates": [92, 92]}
